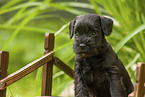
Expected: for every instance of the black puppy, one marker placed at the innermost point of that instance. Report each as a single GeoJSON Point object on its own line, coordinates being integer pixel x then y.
{"type": "Point", "coordinates": [98, 71]}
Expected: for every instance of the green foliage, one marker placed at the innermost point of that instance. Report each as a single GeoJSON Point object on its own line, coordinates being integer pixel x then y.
{"type": "Point", "coordinates": [24, 23]}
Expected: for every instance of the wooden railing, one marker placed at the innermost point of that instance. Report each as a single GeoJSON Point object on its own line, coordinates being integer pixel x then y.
{"type": "Point", "coordinates": [46, 61]}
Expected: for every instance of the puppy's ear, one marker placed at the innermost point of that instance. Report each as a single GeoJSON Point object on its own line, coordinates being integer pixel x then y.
{"type": "Point", "coordinates": [106, 25]}
{"type": "Point", "coordinates": [71, 28]}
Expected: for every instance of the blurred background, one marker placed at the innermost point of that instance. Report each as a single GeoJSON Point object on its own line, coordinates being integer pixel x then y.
{"type": "Point", "coordinates": [23, 24]}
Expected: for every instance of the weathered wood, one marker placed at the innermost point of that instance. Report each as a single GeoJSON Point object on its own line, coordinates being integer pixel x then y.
{"type": "Point", "coordinates": [25, 70]}
{"type": "Point", "coordinates": [4, 61]}
{"type": "Point", "coordinates": [49, 42]}
{"type": "Point", "coordinates": [48, 67]}
{"type": "Point", "coordinates": [61, 65]}
{"type": "Point", "coordinates": [131, 95]}
{"type": "Point", "coordinates": [140, 80]}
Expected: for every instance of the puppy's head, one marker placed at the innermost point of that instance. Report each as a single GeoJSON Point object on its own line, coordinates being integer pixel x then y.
{"type": "Point", "coordinates": [89, 31]}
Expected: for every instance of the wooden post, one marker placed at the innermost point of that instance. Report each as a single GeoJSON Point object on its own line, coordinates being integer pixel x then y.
{"type": "Point", "coordinates": [4, 61]}
{"type": "Point", "coordinates": [140, 80]}
{"type": "Point", "coordinates": [47, 68]}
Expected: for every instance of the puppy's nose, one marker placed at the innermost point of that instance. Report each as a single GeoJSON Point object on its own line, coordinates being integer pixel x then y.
{"type": "Point", "coordinates": [82, 45]}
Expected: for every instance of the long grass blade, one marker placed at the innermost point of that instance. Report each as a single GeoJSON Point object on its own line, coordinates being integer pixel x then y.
{"type": "Point", "coordinates": [70, 58]}
{"type": "Point", "coordinates": [20, 6]}
{"type": "Point", "coordinates": [133, 61]}
{"type": "Point", "coordinates": [22, 24]}
{"type": "Point", "coordinates": [10, 92]}
{"type": "Point", "coordinates": [128, 37]}
{"type": "Point", "coordinates": [139, 47]}
{"type": "Point", "coordinates": [59, 6]}
{"type": "Point", "coordinates": [27, 28]}
{"type": "Point", "coordinates": [10, 3]}
{"type": "Point", "coordinates": [77, 4]}
{"type": "Point", "coordinates": [58, 74]}
{"type": "Point", "coordinates": [62, 46]}
{"type": "Point", "coordinates": [96, 8]}
{"type": "Point", "coordinates": [18, 14]}
{"type": "Point", "coordinates": [62, 28]}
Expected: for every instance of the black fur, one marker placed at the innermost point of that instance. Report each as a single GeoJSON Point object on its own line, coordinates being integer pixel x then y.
{"type": "Point", "coordinates": [98, 72]}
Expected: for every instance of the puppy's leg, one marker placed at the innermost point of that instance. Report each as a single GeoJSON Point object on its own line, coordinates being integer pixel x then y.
{"type": "Point", "coordinates": [81, 89]}
{"type": "Point", "coordinates": [116, 86]}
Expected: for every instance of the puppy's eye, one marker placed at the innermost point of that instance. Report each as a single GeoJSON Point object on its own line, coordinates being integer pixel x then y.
{"type": "Point", "coordinates": [94, 33]}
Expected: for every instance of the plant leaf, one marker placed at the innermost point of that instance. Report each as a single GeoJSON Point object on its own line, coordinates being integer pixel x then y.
{"type": "Point", "coordinates": [128, 37]}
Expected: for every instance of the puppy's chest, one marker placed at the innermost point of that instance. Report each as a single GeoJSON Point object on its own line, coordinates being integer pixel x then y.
{"type": "Point", "coordinates": [94, 71]}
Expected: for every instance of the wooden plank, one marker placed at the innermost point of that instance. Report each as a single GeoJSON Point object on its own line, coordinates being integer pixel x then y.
{"type": "Point", "coordinates": [4, 61]}
{"type": "Point", "coordinates": [47, 68]}
{"type": "Point", "coordinates": [131, 95]}
{"type": "Point", "coordinates": [25, 70]}
{"type": "Point", "coordinates": [140, 79]}
{"type": "Point", "coordinates": [61, 65]}
{"type": "Point", "coordinates": [137, 80]}
{"type": "Point", "coordinates": [136, 89]}
{"type": "Point", "coordinates": [138, 72]}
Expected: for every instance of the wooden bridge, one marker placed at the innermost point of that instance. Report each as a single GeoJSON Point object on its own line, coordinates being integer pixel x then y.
{"type": "Point", "coordinates": [47, 62]}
